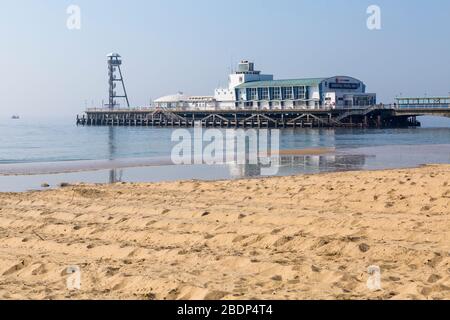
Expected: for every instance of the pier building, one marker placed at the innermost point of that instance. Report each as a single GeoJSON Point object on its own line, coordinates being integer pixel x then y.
{"type": "Point", "coordinates": [250, 89]}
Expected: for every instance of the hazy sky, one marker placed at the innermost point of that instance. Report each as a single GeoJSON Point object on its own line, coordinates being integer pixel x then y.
{"type": "Point", "coordinates": [189, 45]}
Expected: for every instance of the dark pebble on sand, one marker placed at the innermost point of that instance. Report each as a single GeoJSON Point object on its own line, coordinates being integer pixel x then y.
{"type": "Point", "coordinates": [364, 247]}
{"type": "Point", "coordinates": [277, 278]}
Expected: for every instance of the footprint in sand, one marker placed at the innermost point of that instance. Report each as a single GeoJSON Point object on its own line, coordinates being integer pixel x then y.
{"type": "Point", "coordinates": [276, 231]}
{"type": "Point", "coordinates": [434, 278]}
{"type": "Point", "coordinates": [148, 224]}
{"type": "Point", "coordinates": [277, 278]}
{"type": "Point", "coordinates": [434, 262]}
{"type": "Point", "coordinates": [426, 291]}
{"type": "Point", "coordinates": [119, 286]}
{"type": "Point", "coordinates": [40, 269]}
{"type": "Point", "coordinates": [111, 271]}
{"type": "Point", "coordinates": [216, 295]}
{"type": "Point", "coordinates": [16, 268]}
{"type": "Point", "coordinates": [240, 238]}
{"type": "Point", "coordinates": [282, 241]}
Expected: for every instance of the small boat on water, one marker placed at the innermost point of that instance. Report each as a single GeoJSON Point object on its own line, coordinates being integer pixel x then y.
{"type": "Point", "coordinates": [15, 117]}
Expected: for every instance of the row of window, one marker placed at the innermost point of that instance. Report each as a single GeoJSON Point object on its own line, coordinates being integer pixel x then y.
{"type": "Point", "coordinates": [273, 104]}
{"type": "Point", "coordinates": [275, 93]}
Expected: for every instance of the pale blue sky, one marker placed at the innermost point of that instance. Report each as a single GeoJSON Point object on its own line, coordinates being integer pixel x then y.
{"type": "Point", "coordinates": [188, 45]}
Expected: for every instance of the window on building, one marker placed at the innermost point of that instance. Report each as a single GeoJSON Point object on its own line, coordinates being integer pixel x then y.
{"type": "Point", "coordinates": [252, 94]}
{"type": "Point", "coordinates": [287, 93]}
{"type": "Point", "coordinates": [264, 93]}
{"type": "Point", "coordinates": [276, 93]}
{"type": "Point", "coordinates": [299, 93]}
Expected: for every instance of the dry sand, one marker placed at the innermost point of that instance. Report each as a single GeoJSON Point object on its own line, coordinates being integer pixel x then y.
{"type": "Point", "coordinates": [304, 237]}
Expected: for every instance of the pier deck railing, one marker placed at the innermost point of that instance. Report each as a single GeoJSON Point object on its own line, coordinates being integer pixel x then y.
{"type": "Point", "coordinates": [370, 116]}
{"type": "Point", "coordinates": [404, 103]}
{"type": "Point", "coordinates": [323, 109]}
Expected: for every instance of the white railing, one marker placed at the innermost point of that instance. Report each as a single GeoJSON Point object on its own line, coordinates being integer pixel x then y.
{"type": "Point", "coordinates": [353, 110]}
{"type": "Point", "coordinates": [120, 109]}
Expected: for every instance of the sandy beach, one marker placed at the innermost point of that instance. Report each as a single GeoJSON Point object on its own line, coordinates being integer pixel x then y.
{"type": "Point", "coordinates": [302, 237]}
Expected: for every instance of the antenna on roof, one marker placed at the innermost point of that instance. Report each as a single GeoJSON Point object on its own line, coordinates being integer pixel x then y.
{"type": "Point", "coordinates": [232, 64]}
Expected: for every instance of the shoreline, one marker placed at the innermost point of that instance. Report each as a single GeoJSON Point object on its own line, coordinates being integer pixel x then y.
{"type": "Point", "coordinates": [241, 179]}
{"type": "Point", "coordinates": [74, 166]}
{"type": "Point", "coordinates": [212, 180]}
{"type": "Point", "coordinates": [24, 177]}
{"type": "Point", "coordinates": [295, 237]}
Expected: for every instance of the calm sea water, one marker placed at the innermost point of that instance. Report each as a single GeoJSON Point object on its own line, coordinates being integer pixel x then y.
{"type": "Point", "coordinates": [28, 142]}
{"type": "Point", "coordinates": [123, 153]}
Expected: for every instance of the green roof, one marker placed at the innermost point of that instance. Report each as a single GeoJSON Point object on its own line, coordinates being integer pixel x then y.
{"type": "Point", "coordinates": [282, 83]}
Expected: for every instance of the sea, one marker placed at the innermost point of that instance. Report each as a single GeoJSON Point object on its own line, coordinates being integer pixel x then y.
{"type": "Point", "coordinates": [34, 153]}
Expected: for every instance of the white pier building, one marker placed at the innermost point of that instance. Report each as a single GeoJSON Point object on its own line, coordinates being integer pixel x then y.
{"type": "Point", "coordinates": [249, 89]}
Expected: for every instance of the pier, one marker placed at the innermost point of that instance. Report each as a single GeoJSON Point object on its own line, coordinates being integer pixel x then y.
{"type": "Point", "coordinates": [402, 114]}
{"type": "Point", "coordinates": [379, 116]}
{"type": "Point", "coordinates": [256, 100]}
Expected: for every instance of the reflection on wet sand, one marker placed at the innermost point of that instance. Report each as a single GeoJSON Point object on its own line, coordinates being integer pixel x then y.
{"type": "Point", "coordinates": [22, 177]}
{"type": "Point", "coordinates": [115, 175]}
{"type": "Point", "coordinates": [294, 164]}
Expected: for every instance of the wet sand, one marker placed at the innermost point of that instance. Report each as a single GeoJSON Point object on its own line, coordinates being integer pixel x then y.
{"type": "Point", "coordinates": [301, 237]}
{"type": "Point", "coordinates": [40, 168]}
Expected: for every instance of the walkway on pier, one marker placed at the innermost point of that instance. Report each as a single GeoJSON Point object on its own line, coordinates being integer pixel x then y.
{"type": "Point", "coordinates": [402, 114]}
